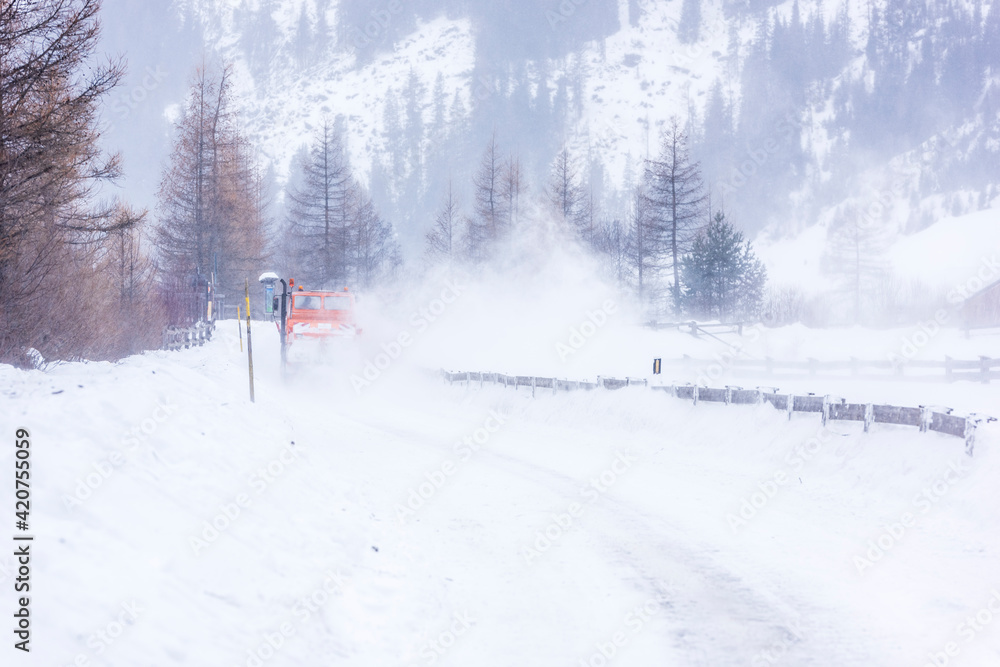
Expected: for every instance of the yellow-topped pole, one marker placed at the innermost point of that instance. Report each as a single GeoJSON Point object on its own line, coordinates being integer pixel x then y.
{"type": "Point", "coordinates": [249, 343]}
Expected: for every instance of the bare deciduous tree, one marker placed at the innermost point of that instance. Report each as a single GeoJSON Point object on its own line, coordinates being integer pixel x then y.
{"type": "Point", "coordinates": [51, 85]}
{"type": "Point", "coordinates": [676, 203]}
{"type": "Point", "coordinates": [211, 226]}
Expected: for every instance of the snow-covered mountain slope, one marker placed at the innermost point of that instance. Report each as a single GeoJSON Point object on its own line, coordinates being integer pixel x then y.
{"type": "Point", "coordinates": [284, 109]}
{"type": "Point", "coordinates": [298, 61]}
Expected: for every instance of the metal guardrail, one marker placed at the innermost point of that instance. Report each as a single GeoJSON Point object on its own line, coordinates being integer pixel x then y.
{"type": "Point", "coordinates": [925, 418]}
{"type": "Point", "coordinates": [179, 338]}
{"type": "Point", "coordinates": [983, 369]}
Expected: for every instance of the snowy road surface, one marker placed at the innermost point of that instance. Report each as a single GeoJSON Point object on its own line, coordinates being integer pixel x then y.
{"type": "Point", "coordinates": [421, 524]}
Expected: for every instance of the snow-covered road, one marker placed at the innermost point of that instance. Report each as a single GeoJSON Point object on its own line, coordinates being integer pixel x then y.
{"type": "Point", "coordinates": [422, 524]}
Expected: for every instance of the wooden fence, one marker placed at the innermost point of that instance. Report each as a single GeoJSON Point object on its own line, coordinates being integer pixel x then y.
{"type": "Point", "coordinates": [177, 338]}
{"type": "Point", "coordinates": [924, 418]}
{"type": "Point", "coordinates": [983, 370]}
{"type": "Point", "coordinates": [698, 329]}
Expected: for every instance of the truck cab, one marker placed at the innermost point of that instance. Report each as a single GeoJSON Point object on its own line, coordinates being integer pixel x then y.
{"type": "Point", "coordinates": [321, 314]}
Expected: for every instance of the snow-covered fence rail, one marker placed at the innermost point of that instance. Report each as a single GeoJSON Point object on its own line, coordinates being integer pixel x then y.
{"type": "Point", "coordinates": [698, 329]}
{"type": "Point", "coordinates": [925, 418]}
{"type": "Point", "coordinates": [177, 338]}
{"type": "Point", "coordinates": [983, 370]}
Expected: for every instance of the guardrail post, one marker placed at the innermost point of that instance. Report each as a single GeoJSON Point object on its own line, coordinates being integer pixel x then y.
{"type": "Point", "coordinates": [826, 409]}
{"type": "Point", "coordinates": [790, 405]}
{"type": "Point", "coordinates": [869, 416]}
{"type": "Point", "coordinates": [534, 381]}
{"type": "Point", "coordinates": [970, 435]}
{"type": "Point", "coordinates": [925, 418]}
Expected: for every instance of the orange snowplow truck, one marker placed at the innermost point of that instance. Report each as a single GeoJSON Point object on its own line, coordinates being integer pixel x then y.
{"type": "Point", "coordinates": [317, 315]}
{"type": "Point", "coordinates": [312, 321]}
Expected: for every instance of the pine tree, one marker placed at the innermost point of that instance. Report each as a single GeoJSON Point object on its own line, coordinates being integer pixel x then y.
{"type": "Point", "coordinates": [260, 39]}
{"type": "Point", "coordinates": [512, 188]}
{"type": "Point", "coordinates": [439, 123]}
{"type": "Point", "coordinates": [723, 278]}
{"type": "Point", "coordinates": [303, 43]}
{"type": "Point", "coordinates": [565, 192]}
{"type": "Point", "coordinates": [413, 95]}
{"type": "Point", "coordinates": [320, 212]}
{"type": "Point", "coordinates": [646, 244]}
{"type": "Point", "coordinates": [676, 203]}
{"type": "Point", "coordinates": [689, 27]}
{"type": "Point", "coordinates": [442, 240]}
{"type": "Point", "coordinates": [323, 36]}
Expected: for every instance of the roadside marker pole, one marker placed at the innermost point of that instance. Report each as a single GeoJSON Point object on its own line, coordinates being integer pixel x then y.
{"type": "Point", "coordinates": [249, 343]}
